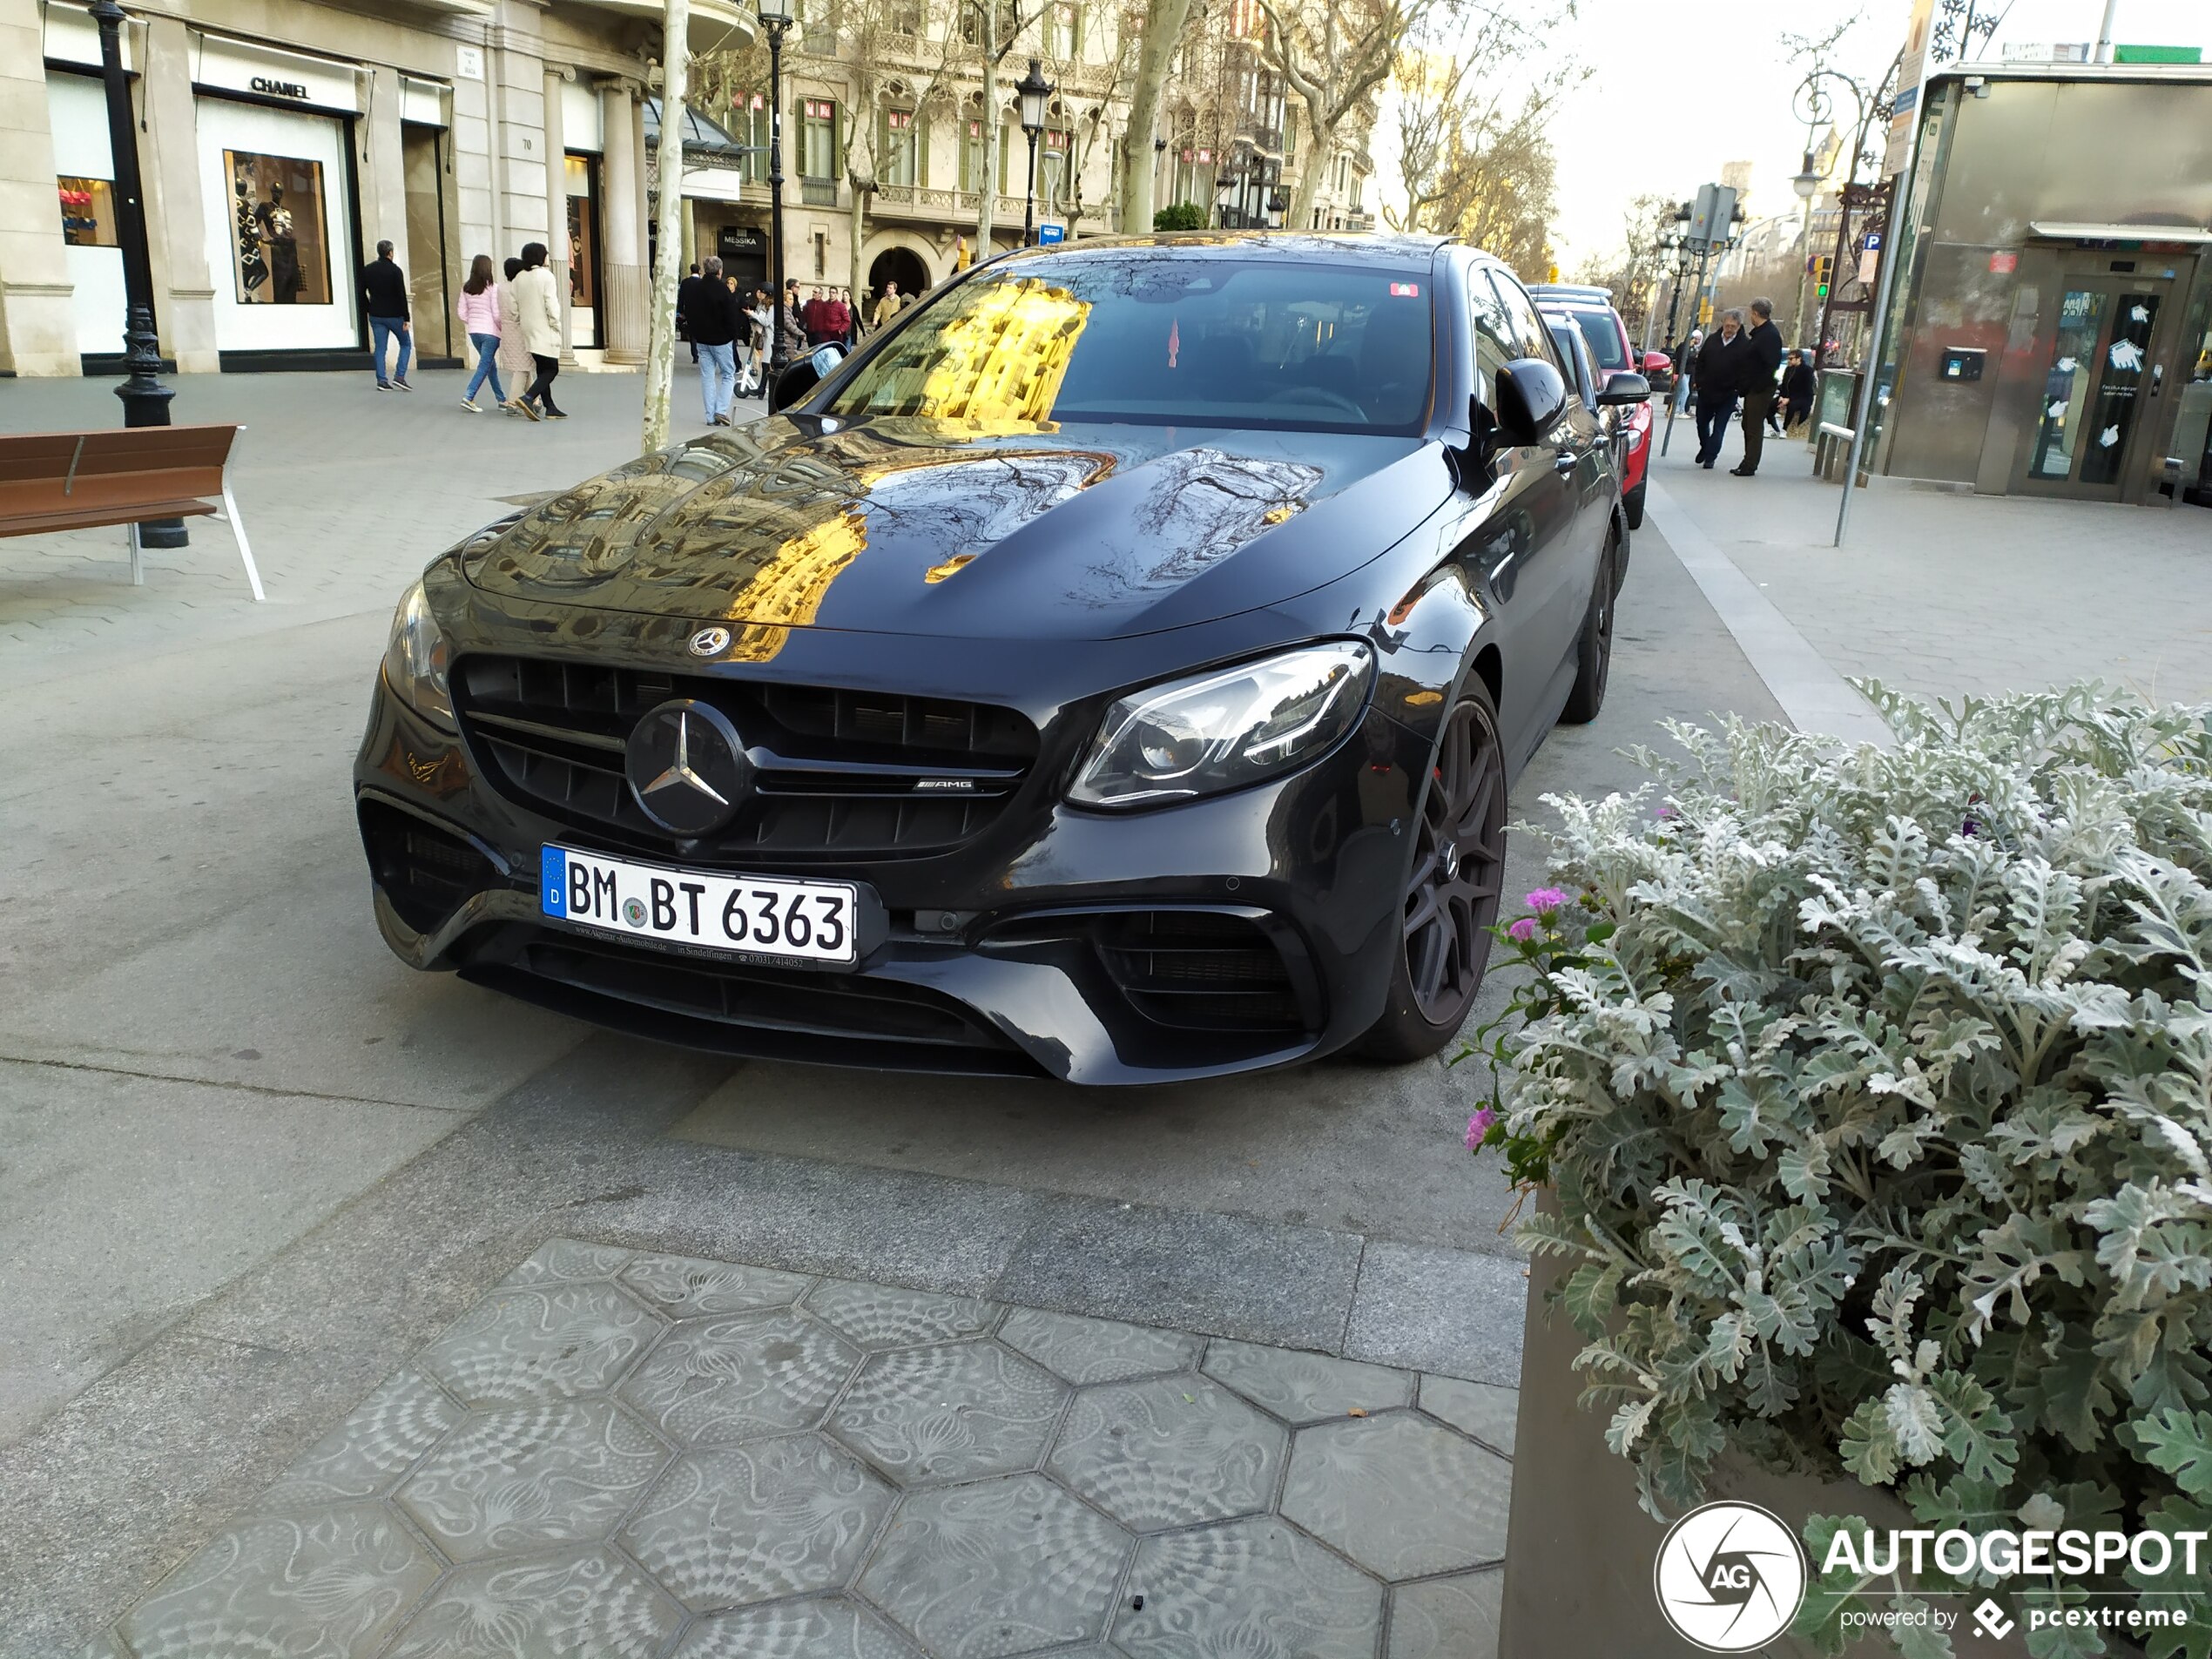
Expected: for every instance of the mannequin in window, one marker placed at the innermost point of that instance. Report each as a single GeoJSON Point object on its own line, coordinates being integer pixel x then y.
{"type": "Point", "coordinates": [273, 221]}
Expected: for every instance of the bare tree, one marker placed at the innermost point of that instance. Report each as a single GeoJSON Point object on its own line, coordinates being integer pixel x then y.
{"type": "Point", "coordinates": [1336, 55]}
{"type": "Point", "coordinates": [660, 353]}
{"type": "Point", "coordinates": [1155, 38]}
{"type": "Point", "coordinates": [1633, 269]}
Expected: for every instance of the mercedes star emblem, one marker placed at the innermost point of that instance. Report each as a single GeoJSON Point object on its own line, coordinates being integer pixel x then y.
{"type": "Point", "coordinates": [710, 642]}
{"type": "Point", "coordinates": [687, 767]}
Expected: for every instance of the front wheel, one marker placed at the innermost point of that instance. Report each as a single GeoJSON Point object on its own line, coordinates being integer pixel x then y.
{"type": "Point", "coordinates": [1594, 647]}
{"type": "Point", "coordinates": [1451, 897]}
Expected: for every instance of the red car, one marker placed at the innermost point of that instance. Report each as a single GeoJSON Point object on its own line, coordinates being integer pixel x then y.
{"type": "Point", "coordinates": [1611, 353]}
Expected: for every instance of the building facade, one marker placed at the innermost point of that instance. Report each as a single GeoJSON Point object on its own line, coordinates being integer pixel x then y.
{"type": "Point", "coordinates": [280, 140]}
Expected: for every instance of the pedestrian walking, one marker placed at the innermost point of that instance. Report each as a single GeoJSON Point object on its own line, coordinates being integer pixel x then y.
{"type": "Point", "coordinates": [1757, 387]}
{"type": "Point", "coordinates": [762, 315]}
{"type": "Point", "coordinates": [514, 356]}
{"type": "Point", "coordinates": [1722, 367]}
{"type": "Point", "coordinates": [812, 318]}
{"type": "Point", "coordinates": [682, 293]}
{"type": "Point", "coordinates": [1686, 369]}
{"type": "Point", "coordinates": [795, 344]}
{"type": "Point", "coordinates": [714, 319]}
{"type": "Point", "coordinates": [538, 307]}
{"type": "Point", "coordinates": [1798, 386]}
{"type": "Point", "coordinates": [837, 311]}
{"type": "Point", "coordinates": [383, 288]}
{"type": "Point", "coordinates": [478, 309]}
{"type": "Point", "coordinates": [887, 306]}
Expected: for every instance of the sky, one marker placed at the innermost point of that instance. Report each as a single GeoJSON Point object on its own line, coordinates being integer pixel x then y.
{"type": "Point", "coordinates": [1678, 87]}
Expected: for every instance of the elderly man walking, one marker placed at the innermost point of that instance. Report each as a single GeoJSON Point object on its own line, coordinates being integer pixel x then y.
{"type": "Point", "coordinates": [1758, 383]}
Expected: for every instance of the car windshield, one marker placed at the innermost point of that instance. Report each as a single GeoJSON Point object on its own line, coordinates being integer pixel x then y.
{"type": "Point", "coordinates": [1603, 336]}
{"type": "Point", "coordinates": [1160, 338]}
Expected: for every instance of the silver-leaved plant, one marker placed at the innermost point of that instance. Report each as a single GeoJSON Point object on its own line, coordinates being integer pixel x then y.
{"type": "Point", "coordinates": [1876, 1091]}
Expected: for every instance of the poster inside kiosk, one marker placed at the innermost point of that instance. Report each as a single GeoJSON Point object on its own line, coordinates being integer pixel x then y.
{"type": "Point", "coordinates": [273, 141]}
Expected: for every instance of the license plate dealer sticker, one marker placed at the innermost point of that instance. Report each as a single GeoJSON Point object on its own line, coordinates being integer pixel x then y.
{"type": "Point", "coordinates": [756, 916]}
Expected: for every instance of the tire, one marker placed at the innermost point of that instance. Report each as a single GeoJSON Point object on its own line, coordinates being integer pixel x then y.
{"type": "Point", "coordinates": [1632, 504]}
{"type": "Point", "coordinates": [1450, 899]}
{"type": "Point", "coordinates": [1595, 648]}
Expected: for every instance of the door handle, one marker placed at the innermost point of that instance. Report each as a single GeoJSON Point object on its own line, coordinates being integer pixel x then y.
{"type": "Point", "coordinates": [1565, 461]}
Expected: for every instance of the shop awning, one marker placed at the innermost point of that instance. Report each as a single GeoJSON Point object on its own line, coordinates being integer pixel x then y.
{"type": "Point", "coordinates": [2068, 231]}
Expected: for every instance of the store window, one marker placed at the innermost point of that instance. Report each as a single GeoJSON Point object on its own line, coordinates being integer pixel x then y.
{"type": "Point", "coordinates": [902, 146]}
{"type": "Point", "coordinates": [280, 245]}
{"type": "Point", "coordinates": [972, 155]}
{"type": "Point", "coordinates": [584, 234]}
{"type": "Point", "coordinates": [748, 126]}
{"type": "Point", "coordinates": [1063, 30]}
{"type": "Point", "coordinates": [818, 139]}
{"type": "Point", "coordinates": [88, 213]}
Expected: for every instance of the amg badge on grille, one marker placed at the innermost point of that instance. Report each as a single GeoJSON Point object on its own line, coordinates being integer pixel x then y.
{"type": "Point", "coordinates": [965, 786]}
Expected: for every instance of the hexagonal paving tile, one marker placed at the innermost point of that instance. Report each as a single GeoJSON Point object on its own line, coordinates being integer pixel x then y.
{"type": "Point", "coordinates": [1483, 1410]}
{"type": "Point", "coordinates": [580, 1602]}
{"type": "Point", "coordinates": [1448, 1618]}
{"type": "Point", "coordinates": [309, 1587]}
{"type": "Point", "coordinates": [780, 1517]}
{"type": "Point", "coordinates": [1096, 1350]}
{"type": "Point", "coordinates": [713, 1382]}
{"type": "Point", "coordinates": [528, 1476]}
{"type": "Point", "coordinates": [1305, 1388]}
{"type": "Point", "coordinates": [879, 1316]}
{"type": "Point", "coordinates": [364, 1455]}
{"type": "Point", "coordinates": [550, 1342]}
{"type": "Point", "coordinates": [567, 1258]}
{"type": "Point", "coordinates": [830, 1627]}
{"type": "Point", "coordinates": [684, 1288]}
{"type": "Point", "coordinates": [105, 1646]}
{"type": "Point", "coordinates": [1004, 1567]}
{"type": "Point", "coordinates": [1399, 1494]}
{"type": "Point", "coordinates": [1168, 1451]}
{"type": "Point", "coordinates": [1253, 1588]}
{"type": "Point", "coordinates": [950, 1412]}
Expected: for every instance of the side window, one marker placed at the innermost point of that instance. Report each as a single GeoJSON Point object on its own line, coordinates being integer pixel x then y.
{"type": "Point", "coordinates": [1494, 346]}
{"type": "Point", "coordinates": [1527, 334]}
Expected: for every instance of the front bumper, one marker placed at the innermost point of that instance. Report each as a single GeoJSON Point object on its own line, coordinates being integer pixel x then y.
{"type": "Point", "coordinates": [1249, 930]}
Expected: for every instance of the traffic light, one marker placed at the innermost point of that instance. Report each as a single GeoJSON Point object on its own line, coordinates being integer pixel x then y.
{"type": "Point", "coordinates": [1821, 267]}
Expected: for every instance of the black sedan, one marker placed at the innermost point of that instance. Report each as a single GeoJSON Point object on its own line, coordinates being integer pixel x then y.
{"type": "Point", "coordinates": [1113, 671]}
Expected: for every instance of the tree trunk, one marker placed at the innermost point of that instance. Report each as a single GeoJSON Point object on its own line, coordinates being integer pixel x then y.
{"type": "Point", "coordinates": [1323, 141]}
{"type": "Point", "coordinates": [660, 355]}
{"type": "Point", "coordinates": [1163, 22]}
{"type": "Point", "coordinates": [859, 229]}
{"type": "Point", "coordinates": [989, 203]}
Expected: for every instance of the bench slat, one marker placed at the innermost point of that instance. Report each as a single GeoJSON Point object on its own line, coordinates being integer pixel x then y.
{"type": "Point", "coordinates": [137, 512]}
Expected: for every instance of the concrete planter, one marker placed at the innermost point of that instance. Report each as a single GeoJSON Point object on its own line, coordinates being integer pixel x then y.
{"type": "Point", "coordinates": [1579, 1552]}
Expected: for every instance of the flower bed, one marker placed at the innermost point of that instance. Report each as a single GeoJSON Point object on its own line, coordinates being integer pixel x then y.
{"type": "Point", "coordinates": [1875, 1092]}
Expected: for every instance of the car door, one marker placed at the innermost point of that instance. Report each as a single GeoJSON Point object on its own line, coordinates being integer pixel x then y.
{"type": "Point", "coordinates": [1519, 523]}
{"type": "Point", "coordinates": [1562, 565]}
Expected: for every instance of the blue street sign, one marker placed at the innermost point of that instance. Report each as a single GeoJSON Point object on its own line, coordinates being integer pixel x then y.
{"type": "Point", "coordinates": [1047, 234]}
{"type": "Point", "coordinates": [1873, 241]}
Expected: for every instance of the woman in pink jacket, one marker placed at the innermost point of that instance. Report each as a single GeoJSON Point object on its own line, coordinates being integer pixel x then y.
{"type": "Point", "coordinates": [479, 309]}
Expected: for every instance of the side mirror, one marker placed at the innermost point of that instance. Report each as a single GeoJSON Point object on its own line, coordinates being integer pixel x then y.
{"type": "Point", "coordinates": [1530, 397]}
{"type": "Point", "coordinates": [1624, 386]}
{"type": "Point", "coordinates": [1656, 362]}
{"type": "Point", "coordinates": [804, 374]}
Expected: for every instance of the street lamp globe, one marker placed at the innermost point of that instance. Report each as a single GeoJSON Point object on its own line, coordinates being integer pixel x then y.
{"type": "Point", "coordinates": [1807, 183]}
{"type": "Point", "coordinates": [773, 11]}
{"type": "Point", "coordinates": [1034, 89]}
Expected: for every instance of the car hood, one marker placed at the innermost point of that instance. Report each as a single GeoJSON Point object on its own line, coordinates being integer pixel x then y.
{"type": "Point", "coordinates": [967, 530]}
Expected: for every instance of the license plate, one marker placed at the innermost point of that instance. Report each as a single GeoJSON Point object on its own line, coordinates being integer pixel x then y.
{"type": "Point", "coordinates": [763, 917]}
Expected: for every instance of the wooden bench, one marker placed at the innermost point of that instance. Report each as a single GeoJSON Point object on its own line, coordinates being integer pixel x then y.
{"type": "Point", "coordinates": [74, 480]}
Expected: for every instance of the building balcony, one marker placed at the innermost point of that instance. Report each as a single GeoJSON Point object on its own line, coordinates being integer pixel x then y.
{"type": "Point", "coordinates": [818, 192]}
{"type": "Point", "coordinates": [715, 24]}
{"type": "Point", "coordinates": [929, 202]}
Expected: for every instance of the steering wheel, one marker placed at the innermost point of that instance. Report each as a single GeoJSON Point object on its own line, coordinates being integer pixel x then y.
{"type": "Point", "coordinates": [1320, 395]}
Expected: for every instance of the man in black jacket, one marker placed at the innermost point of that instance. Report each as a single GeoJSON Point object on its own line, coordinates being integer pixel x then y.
{"type": "Point", "coordinates": [1758, 383]}
{"type": "Point", "coordinates": [710, 311]}
{"type": "Point", "coordinates": [1723, 365]}
{"type": "Point", "coordinates": [383, 288]}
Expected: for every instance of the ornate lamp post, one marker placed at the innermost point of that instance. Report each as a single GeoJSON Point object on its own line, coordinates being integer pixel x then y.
{"type": "Point", "coordinates": [1807, 185]}
{"type": "Point", "coordinates": [776, 17]}
{"type": "Point", "coordinates": [145, 399]}
{"type": "Point", "coordinates": [1035, 92]}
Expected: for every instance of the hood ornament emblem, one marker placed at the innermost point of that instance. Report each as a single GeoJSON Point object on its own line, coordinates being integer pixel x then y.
{"type": "Point", "coordinates": [710, 642]}
{"type": "Point", "coordinates": [680, 771]}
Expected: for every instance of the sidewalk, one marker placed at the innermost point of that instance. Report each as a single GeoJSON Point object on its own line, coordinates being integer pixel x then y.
{"type": "Point", "coordinates": [1943, 593]}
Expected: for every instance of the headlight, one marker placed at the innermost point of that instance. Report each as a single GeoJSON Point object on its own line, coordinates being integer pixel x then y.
{"type": "Point", "coordinates": [1226, 729]}
{"type": "Point", "coordinates": [416, 660]}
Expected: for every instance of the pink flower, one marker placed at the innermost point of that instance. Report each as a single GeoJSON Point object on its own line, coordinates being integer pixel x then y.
{"type": "Point", "coordinates": [1665, 812]}
{"type": "Point", "coordinates": [1524, 930]}
{"type": "Point", "coordinates": [1478, 1127]}
{"type": "Point", "coordinates": [1546, 899]}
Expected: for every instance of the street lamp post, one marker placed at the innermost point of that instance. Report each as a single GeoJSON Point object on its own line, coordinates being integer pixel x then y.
{"type": "Point", "coordinates": [776, 17]}
{"type": "Point", "coordinates": [1035, 92]}
{"type": "Point", "coordinates": [145, 399]}
{"type": "Point", "coordinates": [1807, 185]}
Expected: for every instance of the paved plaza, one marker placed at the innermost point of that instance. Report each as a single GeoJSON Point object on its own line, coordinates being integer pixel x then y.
{"type": "Point", "coordinates": [461, 1317]}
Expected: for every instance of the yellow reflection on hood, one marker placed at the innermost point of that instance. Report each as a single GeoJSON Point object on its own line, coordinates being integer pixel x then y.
{"type": "Point", "coordinates": [1005, 358]}
{"type": "Point", "coordinates": [785, 590]}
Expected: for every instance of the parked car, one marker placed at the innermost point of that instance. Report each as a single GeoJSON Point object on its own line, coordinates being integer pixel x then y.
{"type": "Point", "coordinates": [1113, 671]}
{"type": "Point", "coordinates": [1591, 311]}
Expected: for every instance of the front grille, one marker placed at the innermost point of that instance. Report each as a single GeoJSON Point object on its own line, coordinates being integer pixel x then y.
{"type": "Point", "coordinates": [1200, 971]}
{"type": "Point", "coordinates": [841, 773]}
{"type": "Point", "coordinates": [426, 873]}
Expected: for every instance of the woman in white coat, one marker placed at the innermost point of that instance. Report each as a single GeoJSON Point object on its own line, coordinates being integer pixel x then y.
{"type": "Point", "coordinates": [515, 365]}
{"type": "Point", "coordinates": [538, 314]}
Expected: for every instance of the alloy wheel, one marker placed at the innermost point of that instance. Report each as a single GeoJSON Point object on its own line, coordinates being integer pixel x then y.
{"type": "Point", "coordinates": [1459, 863]}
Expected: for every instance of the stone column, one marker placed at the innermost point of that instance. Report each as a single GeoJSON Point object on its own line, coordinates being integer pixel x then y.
{"type": "Point", "coordinates": [176, 204]}
{"type": "Point", "coordinates": [622, 262]}
{"type": "Point", "coordinates": [382, 169]}
{"type": "Point", "coordinates": [556, 206]}
{"type": "Point", "coordinates": [37, 320]}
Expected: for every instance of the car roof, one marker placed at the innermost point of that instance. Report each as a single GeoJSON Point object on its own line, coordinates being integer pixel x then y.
{"type": "Point", "coordinates": [1337, 244]}
{"type": "Point", "coordinates": [1571, 291]}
